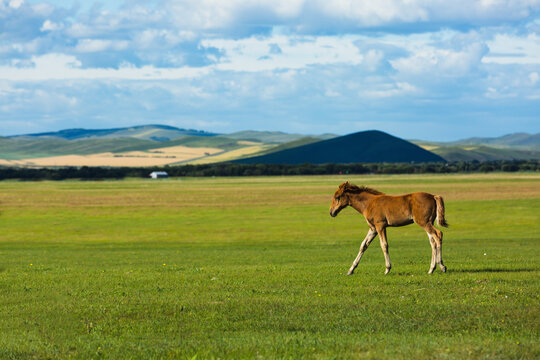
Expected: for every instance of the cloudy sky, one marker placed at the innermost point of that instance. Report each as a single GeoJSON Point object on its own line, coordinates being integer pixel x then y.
{"type": "Point", "coordinates": [424, 69]}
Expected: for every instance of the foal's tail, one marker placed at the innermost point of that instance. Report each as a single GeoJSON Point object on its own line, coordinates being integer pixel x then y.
{"type": "Point", "coordinates": [440, 211]}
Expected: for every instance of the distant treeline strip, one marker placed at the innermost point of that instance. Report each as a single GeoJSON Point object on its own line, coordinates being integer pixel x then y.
{"type": "Point", "coordinates": [227, 169]}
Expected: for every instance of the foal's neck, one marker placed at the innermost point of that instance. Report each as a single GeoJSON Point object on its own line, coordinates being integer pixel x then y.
{"type": "Point", "coordinates": [359, 201]}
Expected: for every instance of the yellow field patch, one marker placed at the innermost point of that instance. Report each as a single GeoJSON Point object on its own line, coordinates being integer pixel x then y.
{"type": "Point", "coordinates": [250, 143]}
{"type": "Point", "coordinates": [153, 157]}
{"type": "Point", "coordinates": [4, 162]}
{"type": "Point", "coordinates": [182, 153]}
{"type": "Point", "coordinates": [429, 147]}
{"type": "Point", "coordinates": [103, 159]}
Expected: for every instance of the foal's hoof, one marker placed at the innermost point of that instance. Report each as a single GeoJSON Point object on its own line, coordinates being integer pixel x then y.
{"type": "Point", "coordinates": [443, 268]}
{"type": "Point", "coordinates": [387, 271]}
{"type": "Point", "coordinates": [430, 271]}
{"type": "Point", "coordinates": [349, 273]}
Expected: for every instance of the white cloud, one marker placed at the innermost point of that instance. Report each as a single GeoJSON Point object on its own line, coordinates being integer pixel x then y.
{"type": "Point", "coordinates": [99, 45]}
{"type": "Point", "coordinates": [373, 59]}
{"type": "Point", "coordinates": [42, 9]}
{"type": "Point", "coordinates": [80, 30]}
{"type": "Point", "coordinates": [54, 62]}
{"type": "Point", "coordinates": [304, 15]}
{"type": "Point", "coordinates": [32, 46]}
{"type": "Point", "coordinates": [493, 93]}
{"type": "Point", "coordinates": [218, 14]}
{"type": "Point", "coordinates": [331, 93]}
{"type": "Point", "coordinates": [534, 77]}
{"type": "Point", "coordinates": [153, 38]}
{"type": "Point", "coordinates": [374, 13]}
{"type": "Point", "coordinates": [8, 89]}
{"type": "Point", "coordinates": [514, 49]}
{"type": "Point", "coordinates": [15, 4]}
{"type": "Point", "coordinates": [68, 67]}
{"type": "Point", "coordinates": [520, 82]}
{"type": "Point", "coordinates": [441, 62]}
{"type": "Point", "coordinates": [48, 25]}
{"type": "Point", "coordinates": [390, 90]}
{"type": "Point", "coordinates": [255, 54]}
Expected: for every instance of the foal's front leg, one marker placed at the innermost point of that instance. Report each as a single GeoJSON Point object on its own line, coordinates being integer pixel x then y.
{"type": "Point", "coordinates": [363, 247]}
{"type": "Point", "coordinates": [384, 247]}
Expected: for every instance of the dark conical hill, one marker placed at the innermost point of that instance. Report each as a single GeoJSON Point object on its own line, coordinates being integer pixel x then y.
{"type": "Point", "coordinates": [366, 146]}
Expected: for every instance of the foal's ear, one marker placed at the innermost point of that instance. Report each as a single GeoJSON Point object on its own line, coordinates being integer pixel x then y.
{"type": "Point", "coordinates": [344, 185]}
{"type": "Point", "coordinates": [342, 188]}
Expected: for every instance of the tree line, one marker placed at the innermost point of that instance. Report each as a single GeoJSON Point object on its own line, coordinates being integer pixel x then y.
{"type": "Point", "coordinates": [230, 169]}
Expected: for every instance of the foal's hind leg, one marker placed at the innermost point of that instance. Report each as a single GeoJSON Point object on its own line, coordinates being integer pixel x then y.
{"type": "Point", "coordinates": [435, 238]}
{"type": "Point", "coordinates": [433, 254]}
{"type": "Point", "coordinates": [439, 248]}
{"type": "Point", "coordinates": [369, 238]}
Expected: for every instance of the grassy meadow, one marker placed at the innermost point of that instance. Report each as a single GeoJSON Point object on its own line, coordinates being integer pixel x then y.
{"type": "Point", "coordinates": [255, 268]}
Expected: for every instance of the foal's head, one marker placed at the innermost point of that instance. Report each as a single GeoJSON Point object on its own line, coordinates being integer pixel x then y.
{"type": "Point", "coordinates": [340, 200]}
{"type": "Point", "coordinates": [342, 197]}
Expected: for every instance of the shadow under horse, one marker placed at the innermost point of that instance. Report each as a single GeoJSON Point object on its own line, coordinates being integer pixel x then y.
{"type": "Point", "coordinates": [381, 211]}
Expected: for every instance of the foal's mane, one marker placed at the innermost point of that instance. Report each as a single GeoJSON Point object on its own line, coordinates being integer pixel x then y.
{"type": "Point", "coordinates": [359, 189]}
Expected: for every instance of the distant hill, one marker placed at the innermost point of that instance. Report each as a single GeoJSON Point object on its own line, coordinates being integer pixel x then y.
{"type": "Point", "coordinates": [366, 146]}
{"type": "Point", "coordinates": [24, 147]}
{"type": "Point", "coordinates": [290, 145]}
{"type": "Point", "coordinates": [144, 132]}
{"type": "Point", "coordinates": [163, 133]}
{"type": "Point", "coordinates": [203, 141]}
{"type": "Point", "coordinates": [479, 152]}
{"type": "Point", "coordinates": [272, 137]}
{"type": "Point", "coordinates": [517, 146]}
{"type": "Point", "coordinates": [522, 140]}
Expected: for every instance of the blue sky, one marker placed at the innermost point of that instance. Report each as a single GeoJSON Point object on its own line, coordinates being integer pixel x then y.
{"type": "Point", "coordinates": [433, 70]}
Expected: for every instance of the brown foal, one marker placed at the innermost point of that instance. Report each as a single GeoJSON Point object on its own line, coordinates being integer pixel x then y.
{"type": "Point", "coordinates": [381, 211]}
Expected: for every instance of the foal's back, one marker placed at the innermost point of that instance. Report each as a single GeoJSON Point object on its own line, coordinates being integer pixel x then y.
{"type": "Point", "coordinates": [400, 210]}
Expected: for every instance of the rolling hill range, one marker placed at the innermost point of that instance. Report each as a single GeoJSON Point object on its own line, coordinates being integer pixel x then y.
{"type": "Point", "coordinates": [38, 152]}
{"type": "Point", "coordinates": [480, 152]}
{"type": "Point", "coordinates": [156, 145]}
{"type": "Point", "coordinates": [366, 146]}
{"type": "Point", "coordinates": [518, 146]}
{"type": "Point", "coordinates": [145, 132]}
{"type": "Point", "coordinates": [167, 133]}
{"type": "Point", "coordinates": [17, 148]}
{"type": "Point", "coordinates": [522, 141]}
{"type": "Point", "coordinates": [148, 145]}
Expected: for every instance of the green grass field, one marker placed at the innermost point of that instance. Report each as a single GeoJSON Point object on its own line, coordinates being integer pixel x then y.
{"type": "Point", "coordinates": [255, 268]}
